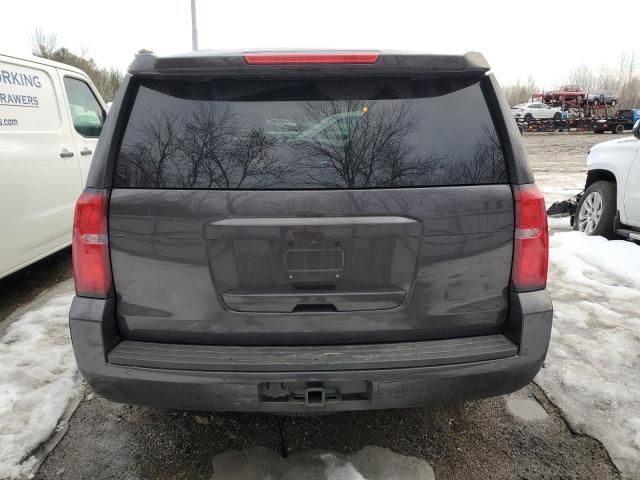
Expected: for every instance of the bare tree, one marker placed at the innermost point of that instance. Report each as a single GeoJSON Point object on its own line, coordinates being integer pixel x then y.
{"type": "Point", "coordinates": [583, 76]}
{"type": "Point", "coordinates": [44, 44]}
{"type": "Point", "coordinates": [205, 148]}
{"type": "Point", "coordinates": [106, 80]}
{"type": "Point", "coordinates": [488, 161]}
{"type": "Point", "coordinates": [520, 92]}
{"type": "Point", "coordinates": [623, 80]}
{"type": "Point", "coordinates": [146, 162]}
{"type": "Point", "coordinates": [219, 152]}
{"type": "Point", "coordinates": [358, 144]}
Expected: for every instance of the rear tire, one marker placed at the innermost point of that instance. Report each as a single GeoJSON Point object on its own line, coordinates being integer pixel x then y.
{"type": "Point", "coordinates": [619, 129]}
{"type": "Point", "coordinates": [597, 210]}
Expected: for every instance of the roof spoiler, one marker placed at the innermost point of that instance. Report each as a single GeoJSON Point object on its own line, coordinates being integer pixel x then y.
{"type": "Point", "coordinates": [234, 64]}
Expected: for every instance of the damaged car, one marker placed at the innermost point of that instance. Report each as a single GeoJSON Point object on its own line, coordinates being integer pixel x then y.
{"type": "Point", "coordinates": [610, 204]}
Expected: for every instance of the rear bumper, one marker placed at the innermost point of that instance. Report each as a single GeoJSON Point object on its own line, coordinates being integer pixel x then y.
{"type": "Point", "coordinates": [228, 380]}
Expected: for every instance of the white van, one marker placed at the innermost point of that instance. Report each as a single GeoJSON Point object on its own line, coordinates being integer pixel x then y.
{"type": "Point", "coordinates": [50, 118]}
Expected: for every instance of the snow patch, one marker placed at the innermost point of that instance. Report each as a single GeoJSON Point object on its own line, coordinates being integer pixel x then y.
{"type": "Point", "coordinates": [558, 224]}
{"type": "Point", "coordinates": [526, 409]}
{"type": "Point", "coordinates": [369, 463]}
{"type": "Point", "coordinates": [37, 380]}
{"type": "Point", "coordinates": [592, 371]}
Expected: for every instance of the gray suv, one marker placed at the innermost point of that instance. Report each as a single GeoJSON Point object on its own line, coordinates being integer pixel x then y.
{"type": "Point", "coordinates": [307, 232]}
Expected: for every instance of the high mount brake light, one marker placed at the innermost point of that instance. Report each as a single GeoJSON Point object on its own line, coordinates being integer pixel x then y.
{"type": "Point", "coordinates": [90, 246]}
{"type": "Point", "coordinates": [531, 242]}
{"type": "Point", "coordinates": [310, 58]}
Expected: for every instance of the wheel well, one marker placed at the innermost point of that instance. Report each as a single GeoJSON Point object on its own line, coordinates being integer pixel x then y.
{"type": "Point", "coordinates": [597, 175]}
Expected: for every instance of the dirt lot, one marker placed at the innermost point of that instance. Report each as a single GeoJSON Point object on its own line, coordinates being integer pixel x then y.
{"type": "Point", "coordinates": [554, 155]}
{"type": "Point", "coordinates": [481, 439]}
{"type": "Point", "coordinates": [521, 436]}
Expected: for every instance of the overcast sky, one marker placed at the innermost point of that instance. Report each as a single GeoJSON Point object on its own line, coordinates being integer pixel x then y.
{"type": "Point", "coordinates": [544, 39]}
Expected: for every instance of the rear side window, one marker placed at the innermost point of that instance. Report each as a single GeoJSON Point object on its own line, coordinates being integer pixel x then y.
{"type": "Point", "coordinates": [309, 134]}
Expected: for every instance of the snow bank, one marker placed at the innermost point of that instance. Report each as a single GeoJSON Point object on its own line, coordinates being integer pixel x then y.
{"type": "Point", "coordinates": [37, 379]}
{"type": "Point", "coordinates": [370, 463]}
{"type": "Point", "coordinates": [592, 370]}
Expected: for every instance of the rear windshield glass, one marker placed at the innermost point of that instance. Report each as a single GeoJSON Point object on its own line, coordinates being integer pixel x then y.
{"type": "Point", "coordinates": [309, 134]}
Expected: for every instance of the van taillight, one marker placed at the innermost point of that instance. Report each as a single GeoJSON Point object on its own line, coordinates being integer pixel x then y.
{"type": "Point", "coordinates": [531, 242]}
{"type": "Point", "coordinates": [90, 249]}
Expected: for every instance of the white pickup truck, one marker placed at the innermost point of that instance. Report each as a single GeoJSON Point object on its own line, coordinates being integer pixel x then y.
{"type": "Point", "coordinates": [610, 204]}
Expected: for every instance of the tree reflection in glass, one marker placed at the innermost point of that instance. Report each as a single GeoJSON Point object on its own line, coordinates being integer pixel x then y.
{"type": "Point", "coordinates": [313, 144]}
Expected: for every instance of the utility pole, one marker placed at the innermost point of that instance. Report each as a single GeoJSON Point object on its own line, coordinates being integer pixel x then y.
{"type": "Point", "coordinates": [194, 26]}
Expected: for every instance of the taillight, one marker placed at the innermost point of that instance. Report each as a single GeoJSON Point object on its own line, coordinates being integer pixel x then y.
{"type": "Point", "coordinates": [531, 242]}
{"type": "Point", "coordinates": [310, 58]}
{"type": "Point", "coordinates": [90, 249]}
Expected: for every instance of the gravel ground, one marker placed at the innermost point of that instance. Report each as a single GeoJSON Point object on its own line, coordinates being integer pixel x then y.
{"type": "Point", "coordinates": [517, 436]}
{"type": "Point", "coordinates": [480, 439]}
{"type": "Point", "coordinates": [561, 154]}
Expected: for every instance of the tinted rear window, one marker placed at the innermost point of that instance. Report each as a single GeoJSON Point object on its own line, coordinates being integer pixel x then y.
{"type": "Point", "coordinates": [309, 134]}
